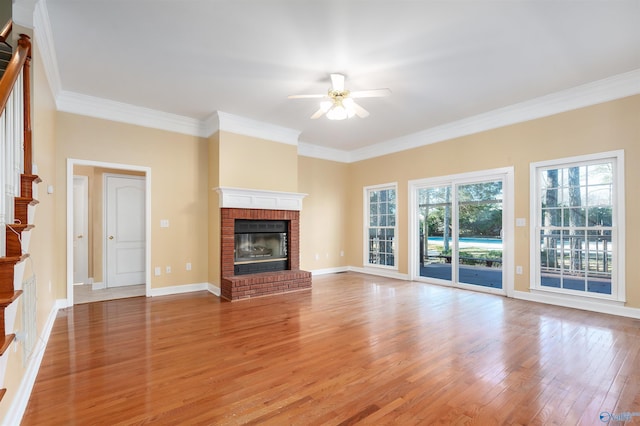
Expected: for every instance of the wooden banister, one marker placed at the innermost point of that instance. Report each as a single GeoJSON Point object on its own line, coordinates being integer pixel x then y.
{"type": "Point", "coordinates": [20, 62]}
{"type": "Point", "coordinates": [26, 105]}
{"type": "Point", "coordinates": [13, 69]}
{"type": "Point", "coordinates": [6, 30]}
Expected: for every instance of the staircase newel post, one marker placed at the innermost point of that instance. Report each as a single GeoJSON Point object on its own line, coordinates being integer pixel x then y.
{"type": "Point", "coordinates": [25, 41]}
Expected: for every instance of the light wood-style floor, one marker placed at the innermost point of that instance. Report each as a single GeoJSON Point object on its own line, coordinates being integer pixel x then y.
{"type": "Point", "coordinates": [355, 349]}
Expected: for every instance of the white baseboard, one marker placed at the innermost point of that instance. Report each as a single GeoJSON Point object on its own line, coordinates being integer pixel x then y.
{"type": "Point", "coordinates": [380, 272]}
{"type": "Point", "coordinates": [19, 403]}
{"type": "Point", "coordinates": [178, 289]}
{"type": "Point", "coordinates": [215, 290]}
{"type": "Point", "coordinates": [585, 305]}
{"type": "Point", "coordinates": [326, 271]}
{"type": "Point", "coordinates": [98, 286]}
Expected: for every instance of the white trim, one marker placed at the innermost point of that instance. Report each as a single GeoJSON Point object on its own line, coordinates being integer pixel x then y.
{"type": "Point", "coordinates": [241, 198]}
{"type": "Point", "coordinates": [381, 272]}
{"type": "Point", "coordinates": [323, 153]}
{"type": "Point", "coordinates": [245, 126]}
{"type": "Point", "coordinates": [106, 109]}
{"type": "Point", "coordinates": [326, 271]}
{"type": "Point", "coordinates": [179, 289]}
{"type": "Point", "coordinates": [608, 89]}
{"type": "Point", "coordinates": [44, 40]}
{"type": "Point", "coordinates": [365, 226]}
{"type": "Point", "coordinates": [22, 12]}
{"type": "Point", "coordinates": [71, 162]}
{"type": "Point", "coordinates": [21, 399]}
{"type": "Point", "coordinates": [506, 175]}
{"type": "Point", "coordinates": [600, 306]}
{"type": "Point", "coordinates": [213, 289]}
{"type": "Point", "coordinates": [98, 286]}
{"type": "Point", "coordinates": [618, 283]}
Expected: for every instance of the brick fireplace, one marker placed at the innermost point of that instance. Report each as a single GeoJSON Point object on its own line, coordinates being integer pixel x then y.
{"type": "Point", "coordinates": [243, 205]}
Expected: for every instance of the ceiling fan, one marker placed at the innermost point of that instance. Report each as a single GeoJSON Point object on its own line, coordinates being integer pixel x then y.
{"type": "Point", "coordinates": [340, 103]}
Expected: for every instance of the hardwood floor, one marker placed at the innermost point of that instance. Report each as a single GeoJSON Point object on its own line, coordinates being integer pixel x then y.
{"type": "Point", "coordinates": [355, 349]}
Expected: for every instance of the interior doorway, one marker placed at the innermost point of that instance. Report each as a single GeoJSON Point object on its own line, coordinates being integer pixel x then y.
{"type": "Point", "coordinates": [117, 231]}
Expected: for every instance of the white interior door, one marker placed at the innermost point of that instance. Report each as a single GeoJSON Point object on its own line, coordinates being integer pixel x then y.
{"type": "Point", "coordinates": [124, 230]}
{"type": "Point", "coordinates": [80, 229]}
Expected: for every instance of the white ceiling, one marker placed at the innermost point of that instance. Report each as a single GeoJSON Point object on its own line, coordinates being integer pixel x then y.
{"type": "Point", "coordinates": [444, 61]}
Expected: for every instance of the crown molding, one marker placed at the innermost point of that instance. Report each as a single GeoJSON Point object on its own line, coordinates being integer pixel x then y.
{"type": "Point", "coordinates": [323, 153]}
{"type": "Point", "coordinates": [44, 41]}
{"type": "Point", "coordinates": [245, 126]}
{"type": "Point", "coordinates": [608, 89]}
{"type": "Point", "coordinates": [77, 103]}
{"type": "Point", "coordinates": [22, 12]}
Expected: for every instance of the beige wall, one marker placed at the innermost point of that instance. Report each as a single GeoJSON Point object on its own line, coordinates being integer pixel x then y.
{"type": "Point", "coordinates": [253, 163]}
{"type": "Point", "coordinates": [323, 220]}
{"type": "Point", "coordinates": [179, 177]}
{"type": "Point", "coordinates": [44, 254]}
{"type": "Point", "coordinates": [605, 127]}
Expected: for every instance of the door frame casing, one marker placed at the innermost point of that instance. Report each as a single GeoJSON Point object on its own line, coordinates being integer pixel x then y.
{"type": "Point", "coordinates": [507, 174]}
{"type": "Point", "coordinates": [71, 163]}
{"type": "Point", "coordinates": [84, 181]}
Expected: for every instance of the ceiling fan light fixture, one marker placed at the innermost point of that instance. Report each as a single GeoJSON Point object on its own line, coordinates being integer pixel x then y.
{"type": "Point", "coordinates": [341, 110]}
{"type": "Point", "coordinates": [340, 104]}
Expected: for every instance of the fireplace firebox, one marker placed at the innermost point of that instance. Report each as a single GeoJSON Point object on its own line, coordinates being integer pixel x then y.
{"type": "Point", "coordinates": [260, 246]}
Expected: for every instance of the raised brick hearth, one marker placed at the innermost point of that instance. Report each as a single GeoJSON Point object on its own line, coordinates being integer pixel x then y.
{"type": "Point", "coordinates": [245, 286]}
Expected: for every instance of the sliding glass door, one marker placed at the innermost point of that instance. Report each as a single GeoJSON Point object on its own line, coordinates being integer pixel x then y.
{"type": "Point", "coordinates": [479, 233]}
{"type": "Point", "coordinates": [460, 225]}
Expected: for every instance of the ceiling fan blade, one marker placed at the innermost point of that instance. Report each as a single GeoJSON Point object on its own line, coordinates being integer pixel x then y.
{"type": "Point", "coordinates": [360, 112]}
{"type": "Point", "coordinates": [373, 93]}
{"type": "Point", "coordinates": [305, 96]}
{"type": "Point", "coordinates": [319, 113]}
{"type": "Point", "coordinates": [324, 107]}
{"type": "Point", "coordinates": [337, 82]}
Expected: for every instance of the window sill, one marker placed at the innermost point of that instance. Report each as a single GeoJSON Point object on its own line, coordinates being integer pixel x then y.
{"type": "Point", "coordinates": [590, 298]}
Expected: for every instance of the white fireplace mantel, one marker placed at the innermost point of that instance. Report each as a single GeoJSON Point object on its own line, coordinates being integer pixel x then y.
{"type": "Point", "coordinates": [240, 198]}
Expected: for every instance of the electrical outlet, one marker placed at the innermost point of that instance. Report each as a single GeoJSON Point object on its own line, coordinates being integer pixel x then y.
{"type": "Point", "coordinates": [157, 271]}
{"type": "Point", "coordinates": [519, 270]}
{"type": "Point", "coordinates": [341, 253]}
{"type": "Point", "coordinates": [167, 269]}
{"type": "Point", "coordinates": [188, 266]}
{"type": "Point", "coordinates": [164, 223]}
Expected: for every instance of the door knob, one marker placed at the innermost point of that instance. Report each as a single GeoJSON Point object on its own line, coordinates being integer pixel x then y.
{"type": "Point", "coordinates": [111, 237]}
{"type": "Point", "coordinates": [79, 236]}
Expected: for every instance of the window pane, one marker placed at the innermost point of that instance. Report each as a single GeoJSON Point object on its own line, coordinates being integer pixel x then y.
{"type": "Point", "coordinates": [382, 221]}
{"type": "Point", "coordinates": [577, 196]}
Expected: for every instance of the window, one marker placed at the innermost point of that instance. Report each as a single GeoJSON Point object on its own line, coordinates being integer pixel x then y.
{"type": "Point", "coordinates": [578, 226]}
{"type": "Point", "coordinates": [380, 226]}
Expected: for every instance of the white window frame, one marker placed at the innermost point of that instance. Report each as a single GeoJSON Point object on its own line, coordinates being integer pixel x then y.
{"type": "Point", "coordinates": [366, 217]}
{"type": "Point", "coordinates": [506, 175]}
{"type": "Point", "coordinates": [618, 288]}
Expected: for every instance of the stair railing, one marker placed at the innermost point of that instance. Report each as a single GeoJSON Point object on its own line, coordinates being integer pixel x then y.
{"type": "Point", "coordinates": [15, 129]}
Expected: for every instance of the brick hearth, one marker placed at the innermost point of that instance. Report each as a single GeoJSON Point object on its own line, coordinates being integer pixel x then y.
{"type": "Point", "coordinates": [245, 286]}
